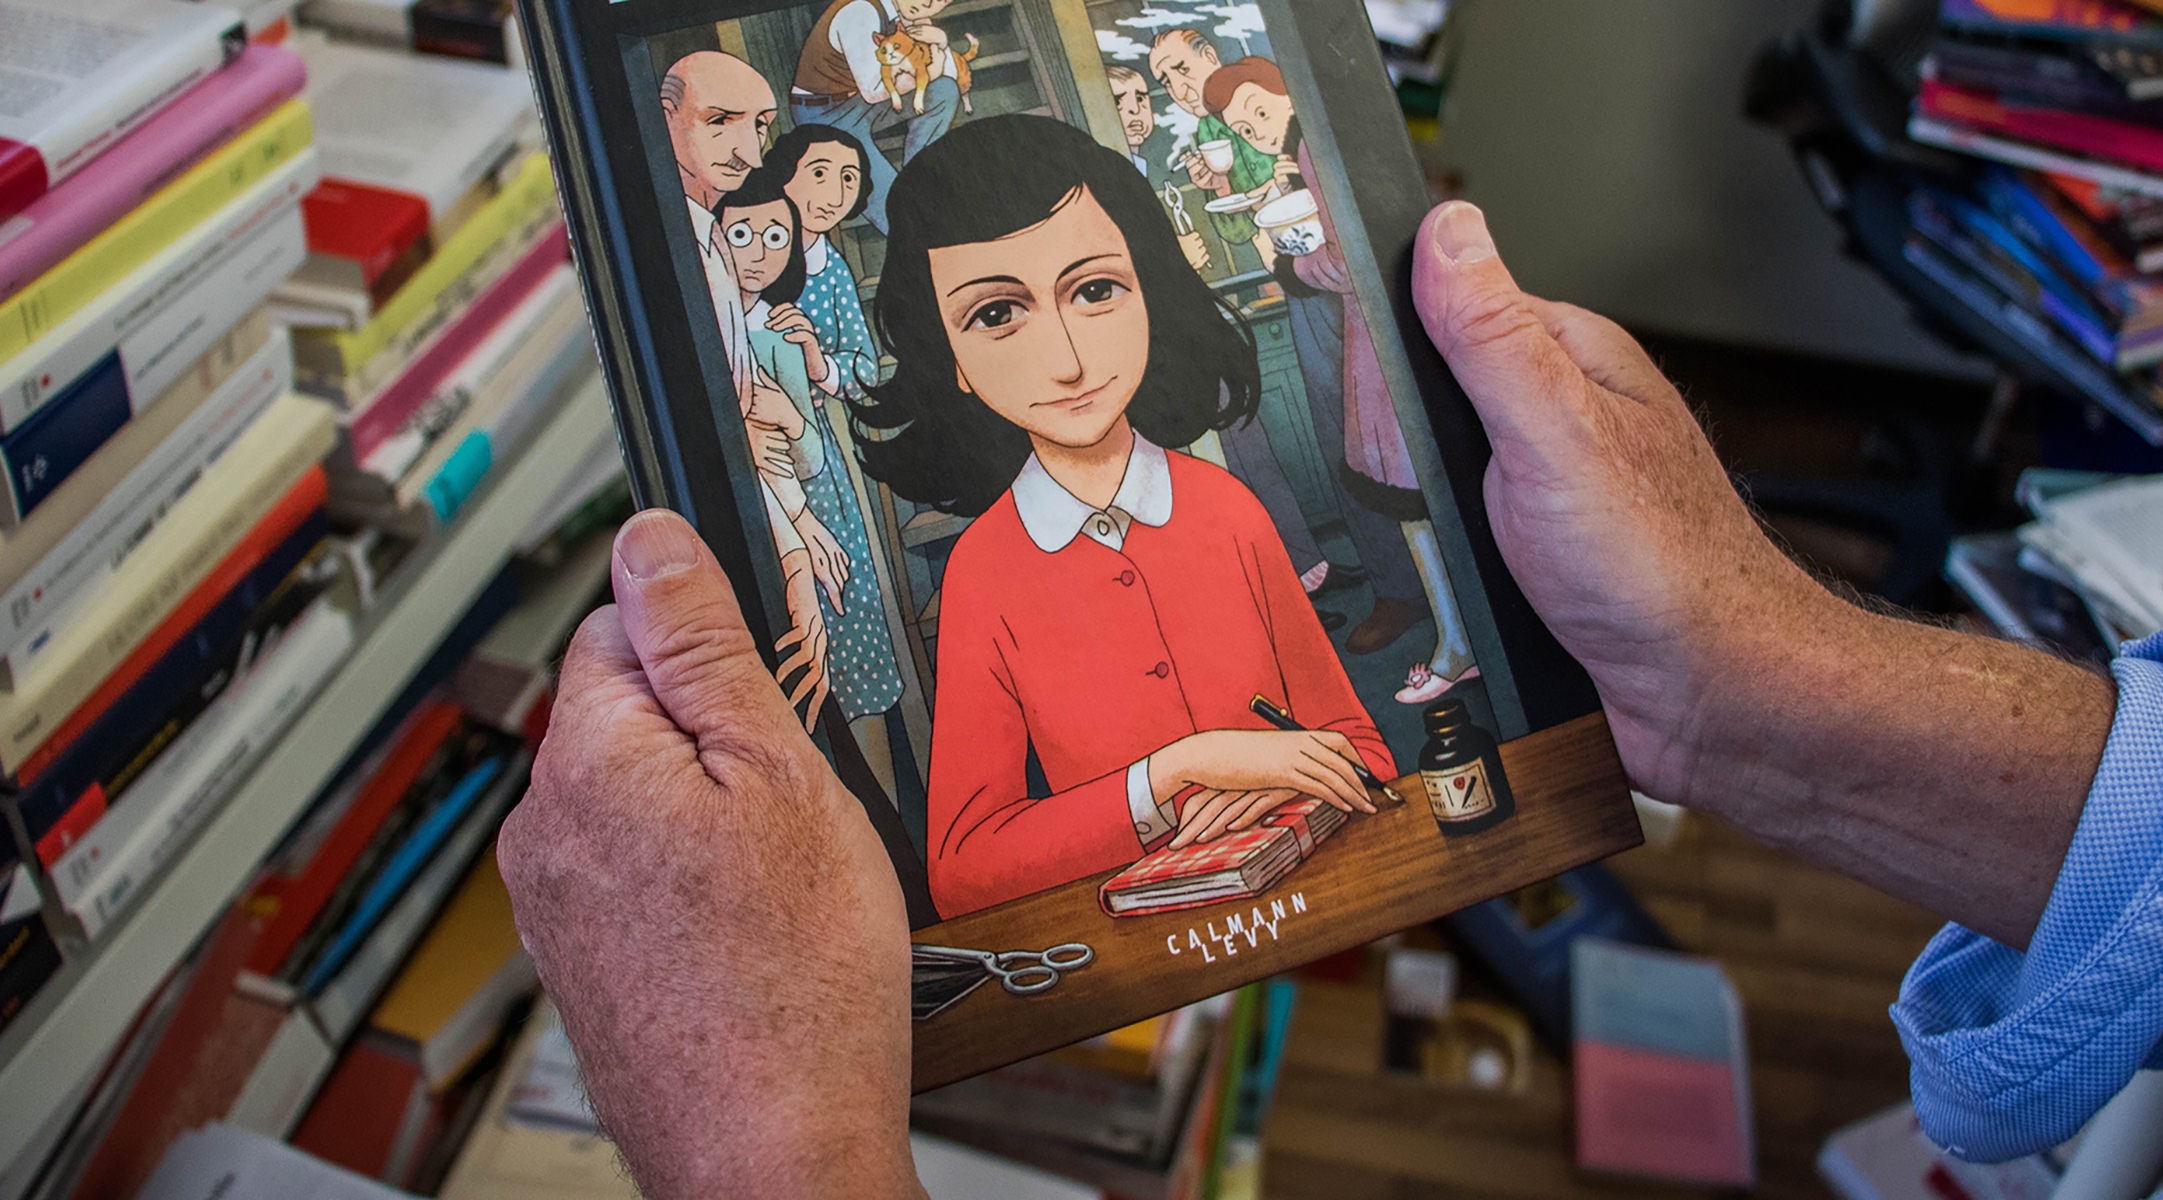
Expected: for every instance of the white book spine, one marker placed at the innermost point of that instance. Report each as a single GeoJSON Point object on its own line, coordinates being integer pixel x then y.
{"type": "Point", "coordinates": [96, 548]}
{"type": "Point", "coordinates": [99, 875]}
{"type": "Point", "coordinates": [137, 63]}
{"type": "Point", "coordinates": [180, 291]}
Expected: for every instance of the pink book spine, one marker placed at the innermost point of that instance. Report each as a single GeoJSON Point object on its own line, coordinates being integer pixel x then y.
{"type": "Point", "coordinates": [158, 151]}
{"type": "Point", "coordinates": [403, 396]}
{"type": "Point", "coordinates": [2097, 137]}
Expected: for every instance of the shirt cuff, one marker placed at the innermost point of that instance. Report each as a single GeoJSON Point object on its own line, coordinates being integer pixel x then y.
{"type": "Point", "coordinates": [2011, 1053]}
{"type": "Point", "coordinates": [1151, 819]}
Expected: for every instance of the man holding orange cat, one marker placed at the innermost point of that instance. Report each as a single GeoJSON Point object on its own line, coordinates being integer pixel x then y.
{"type": "Point", "coordinates": [841, 82]}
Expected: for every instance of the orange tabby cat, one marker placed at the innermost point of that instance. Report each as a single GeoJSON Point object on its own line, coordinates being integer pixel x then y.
{"type": "Point", "coordinates": [906, 63]}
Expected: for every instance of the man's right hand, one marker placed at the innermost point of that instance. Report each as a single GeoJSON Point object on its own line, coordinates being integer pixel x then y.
{"type": "Point", "coordinates": [1947, 769]}
{"type": "Point", "coordinates": [1608, 504]}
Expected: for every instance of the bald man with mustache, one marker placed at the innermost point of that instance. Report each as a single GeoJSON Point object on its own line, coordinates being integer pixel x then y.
{"type": "Point", "coordinates": [719, 112]}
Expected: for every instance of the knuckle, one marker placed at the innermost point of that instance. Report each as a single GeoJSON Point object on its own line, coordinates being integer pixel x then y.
{"type": "Point", "coordinates": [1489, 316]}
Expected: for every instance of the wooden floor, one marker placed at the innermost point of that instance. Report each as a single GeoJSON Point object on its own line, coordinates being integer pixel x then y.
{"type": "Point", "coordinates": [1816, 958]}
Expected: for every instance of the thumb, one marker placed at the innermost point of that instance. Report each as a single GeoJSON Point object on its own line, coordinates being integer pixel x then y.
{"type": "Point", "coordinates": [682, 619]}
{"type": "Point", "coordinates": [1519, 378]}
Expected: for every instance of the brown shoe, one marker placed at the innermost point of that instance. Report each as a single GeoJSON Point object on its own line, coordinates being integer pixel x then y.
{"type": "Point", "coordinates": [1388, 622]}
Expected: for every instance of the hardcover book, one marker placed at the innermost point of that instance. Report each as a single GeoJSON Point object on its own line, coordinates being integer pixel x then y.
{"type": "Point", "coordinates": [1045, 376]}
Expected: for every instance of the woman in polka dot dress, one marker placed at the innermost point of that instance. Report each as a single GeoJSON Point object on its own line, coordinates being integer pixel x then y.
{"type": "Point", "coordinates": [825, 169]}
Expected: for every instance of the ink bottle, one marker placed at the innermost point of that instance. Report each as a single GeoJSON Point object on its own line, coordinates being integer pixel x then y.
{"type": "Point", "coordinates": [1460, 768]}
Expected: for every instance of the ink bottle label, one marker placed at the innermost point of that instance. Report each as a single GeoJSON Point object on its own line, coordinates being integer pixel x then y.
{"type": "Point", "coordinates": [1460, 793]}
{"type": "Point", "coordinates": [1460, 768]}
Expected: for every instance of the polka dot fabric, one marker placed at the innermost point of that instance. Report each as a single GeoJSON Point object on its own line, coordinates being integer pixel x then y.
{"type": "Point", "coordinates": [2010, 1052]}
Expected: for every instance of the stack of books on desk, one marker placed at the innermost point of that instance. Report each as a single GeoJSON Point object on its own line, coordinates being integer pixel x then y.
{"type": "Point", "coordinates": [2082, 576]}
{"type": "Point", "coordinates": [163, 517]}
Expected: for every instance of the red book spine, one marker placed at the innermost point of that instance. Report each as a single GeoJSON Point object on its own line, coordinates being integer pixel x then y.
{"type": "Point", "coordinates": [370, 226]}
{"type": "Point", "coordinates": [22, 176]}
{"type": "Point", "coordinates": [289, 903]}
{"type": "Point", "coordinates": [2097, 137]}
{"type": "Point", "coordinates": [302, 499]}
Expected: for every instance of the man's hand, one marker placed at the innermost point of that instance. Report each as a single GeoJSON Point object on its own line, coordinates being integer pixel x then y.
{"type": "Point", "coordinates": [707, 905]}
{"type": "Point", "coordinates": [829, 562]}
{"type": "Point", "coordinates": [1947, 769]}
{"type": "Point", "coordinates": [770, 449]}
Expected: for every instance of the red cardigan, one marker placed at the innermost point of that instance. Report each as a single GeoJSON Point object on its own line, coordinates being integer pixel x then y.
{"type": "Point", "coordinates": [1098, 658]}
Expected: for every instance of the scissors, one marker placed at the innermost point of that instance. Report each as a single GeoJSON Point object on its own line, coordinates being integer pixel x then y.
{"type": "Point", "coordinates": [1176, 200]}
{"type": "Point", "coordinates": [1020, 972]}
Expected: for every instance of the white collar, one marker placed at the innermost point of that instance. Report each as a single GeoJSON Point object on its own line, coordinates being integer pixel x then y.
{"type": "Point", "coordinates": [1053, 515]}
{"type": "Point", "coordinates": [701, 225]}
{"type": "Point", "coordinates": [755, 316]}
{"type": "Point", "coordinates": [815, 255]}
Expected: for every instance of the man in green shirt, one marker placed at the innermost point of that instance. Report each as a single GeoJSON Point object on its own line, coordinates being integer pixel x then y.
{"type": "Point", "coordinates": [1183, 60]}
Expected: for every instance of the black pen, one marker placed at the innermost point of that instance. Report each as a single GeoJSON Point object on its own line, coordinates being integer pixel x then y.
{"type": "Point", "coordinates": [1283, 720]}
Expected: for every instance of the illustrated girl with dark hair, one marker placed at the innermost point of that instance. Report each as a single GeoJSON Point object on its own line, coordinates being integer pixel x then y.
{"type": "Point", "coordinates": [762, 231]}
{"type": "Point", "coordinates": [1115, 605]}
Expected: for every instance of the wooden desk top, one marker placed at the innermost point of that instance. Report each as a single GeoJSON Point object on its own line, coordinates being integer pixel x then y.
{"type": "Point", "coordinates": [1375, 875]}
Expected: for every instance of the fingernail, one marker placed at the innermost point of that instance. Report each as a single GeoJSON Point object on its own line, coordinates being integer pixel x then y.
{"type": "Point", "coordinates": [1460, 233]}
{"type": "Point", "coordinates": [656, 544]}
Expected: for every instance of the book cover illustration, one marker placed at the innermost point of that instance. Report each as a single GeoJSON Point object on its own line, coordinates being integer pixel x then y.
{"type": "Point", "coordinates": [1100, 500]}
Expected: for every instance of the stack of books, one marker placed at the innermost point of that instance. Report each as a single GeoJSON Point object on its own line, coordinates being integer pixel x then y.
{"type": "Point", "coordinates": [437, 308]}
{"type": "Point", "coordinates": [357, 999]}
{"type": "Point", "coordinates": [1163, 1110]}
{"type": "Point", "coordinates": [164, 571]}
{"type": "Point", "coordinates": [2080, 577]}
{"type": "Point", "coordinates": [2060, 240]}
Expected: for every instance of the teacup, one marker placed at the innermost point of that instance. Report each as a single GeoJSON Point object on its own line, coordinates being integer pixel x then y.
{"type": "Point", "coordinates": [1293, 223]}
{"type": "Point", "coordinates": [1217, 155]}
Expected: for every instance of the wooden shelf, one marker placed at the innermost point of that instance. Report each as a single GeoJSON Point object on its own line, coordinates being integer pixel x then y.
{"type": "Point", "coordinates": [48, 1055]}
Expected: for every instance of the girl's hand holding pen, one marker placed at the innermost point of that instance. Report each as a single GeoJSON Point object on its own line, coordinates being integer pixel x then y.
{"type": "Point", "coordinates": [1313, 763]}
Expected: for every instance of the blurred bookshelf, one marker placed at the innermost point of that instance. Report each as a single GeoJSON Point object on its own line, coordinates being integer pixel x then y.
{"type": "Point", "coordinates": [49, 1053]}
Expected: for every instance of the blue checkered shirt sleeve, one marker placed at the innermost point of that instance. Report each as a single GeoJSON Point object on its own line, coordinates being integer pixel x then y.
{"type": "Point", "coordinates": [2012, 1052]}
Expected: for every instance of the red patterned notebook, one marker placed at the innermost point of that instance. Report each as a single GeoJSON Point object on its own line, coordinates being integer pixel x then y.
{"type": "Point", "coordinates": [1234, 866]}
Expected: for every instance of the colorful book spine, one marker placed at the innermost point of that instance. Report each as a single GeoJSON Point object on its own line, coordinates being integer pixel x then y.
{"type": "Point", "coordinates": [181, 791]}
{"type": "Point", "coordinates": [1953, 135]}
{"type": "Point", "coordinates": [288, 900]}
{"type": "Point", "coordinates": [429, 299]}
{"type": "Point", "coordinates": [87, 552]}
{"type": "Point", "coordinates": [301, 503]}
{"type": "Point", "coordinates": [161, 316]}
{"type": "Point", "coordinates": [394, 407]}
{"type": "Point", "coordinates": [61, 117]}
{"type": "Point", "coordinates": [2099, 137]}
{"type": "Point", "coordinates": [419, 848]}
{"type": "Point", "coordinates": [215, 514]}
{"type": "Point", "coordinates": [2056, 20]}
{"type": "Point", "coordinates": [74, 790]}
{"type": "Point", "coordinates": [107, 258]}
{"type": "Point", "coordinates": [209, 115]}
